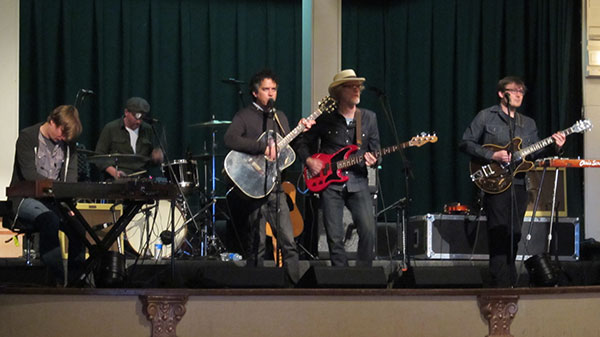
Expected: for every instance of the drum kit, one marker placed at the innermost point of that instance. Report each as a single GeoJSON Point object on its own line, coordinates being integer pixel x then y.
{"type": "Point", "coordinates": [151, 227]}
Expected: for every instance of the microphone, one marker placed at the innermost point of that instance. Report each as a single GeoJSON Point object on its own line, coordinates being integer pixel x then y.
{"type": "Point", "coordinates": [232, 81]}
{"type": "Point", "coordinates": [87, 92]}
{"type": "Point", "coordinates": [270, 106]}
{"type": "Point", "coordinates": [507, 96]}
{"type": "Point", "coordinates": [376, 90]}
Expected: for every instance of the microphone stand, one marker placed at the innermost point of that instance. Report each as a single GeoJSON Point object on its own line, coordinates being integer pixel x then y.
{"type": "Point", "coordinates": [272, 113]}
{"type": "Point", "coordinates": [81, 95]}
{"type": "Point", "coordinates": [173, 201]}
{"type": "Point", "coordinates": [408, 174]}
{"type": "Point", "coordinates": [513, 199]}
{"type": "Point", "coordinates": [240, 95]}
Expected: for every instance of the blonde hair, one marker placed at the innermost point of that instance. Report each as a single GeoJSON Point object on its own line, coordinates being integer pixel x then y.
{"type": "Point", "coordinates": [67, 117]}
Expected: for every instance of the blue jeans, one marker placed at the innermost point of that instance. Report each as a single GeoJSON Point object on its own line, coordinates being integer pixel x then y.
{"type": "Point", "coordinates": [360, 205]}
{"type": "Point", "coordinates": [44, 217]}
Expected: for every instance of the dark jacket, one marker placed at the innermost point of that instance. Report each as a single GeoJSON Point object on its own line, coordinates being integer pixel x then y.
{"type": "Point", "coordinates": [333, 133]}
{"type": "Point", "coordinates": [248, 125]}
{"type": "Point", "coordinates": [24, 166]}
{"type": "Point", "coordinates": [114, 138]}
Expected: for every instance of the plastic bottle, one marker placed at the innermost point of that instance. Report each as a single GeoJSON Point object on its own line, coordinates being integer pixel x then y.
{"type": "Point", "coordinates": [231, 257]}
{"type": "Point", "coordinates": [235, 257]}
{"type": "Point", "coordinates": [158, 251]}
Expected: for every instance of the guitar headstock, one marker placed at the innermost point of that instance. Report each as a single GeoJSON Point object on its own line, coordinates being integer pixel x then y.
{"type": "Point", "coordinates": [423, 139]}
{"type": "Point", "coordinates": [327, 104]}
{"type": "Point", "coordinates": [582, 126]}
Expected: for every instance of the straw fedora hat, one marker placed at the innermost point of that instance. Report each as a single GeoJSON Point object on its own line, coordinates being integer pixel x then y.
{"type": "Point", "coordinates": [347, 75]}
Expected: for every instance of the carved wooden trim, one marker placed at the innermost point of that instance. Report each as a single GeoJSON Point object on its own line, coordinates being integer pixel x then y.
{"type": "Point", "coordinates": [164, 312]}
{"type": "Point", "coordinates": [499, 311]}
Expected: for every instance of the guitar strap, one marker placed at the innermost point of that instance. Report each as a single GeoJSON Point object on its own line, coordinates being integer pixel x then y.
{"type": "Point", "coordinates": [358, 127]}
{"type": "Point", "coordinates": [280, 127]}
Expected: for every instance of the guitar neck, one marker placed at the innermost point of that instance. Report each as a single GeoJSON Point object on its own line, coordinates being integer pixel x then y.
{"type": "Point", "coordinates": [542, 144]}
{"type": "Point", "coordinates": [297, 130]}
{"type": "Point", "coordinates": [357, 159]}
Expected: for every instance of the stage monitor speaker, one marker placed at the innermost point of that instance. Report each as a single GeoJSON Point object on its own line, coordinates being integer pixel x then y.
{"type": "Point", "coordinates": [440, 277]}
{"type": "Point", "coordinates": [343, 277]}
{"type": "Point", "coordinates": [228, 275]}
{"type": "Point", "coordinates": [534, 178]}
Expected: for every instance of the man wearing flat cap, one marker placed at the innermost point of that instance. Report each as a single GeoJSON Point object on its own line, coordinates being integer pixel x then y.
{"type": "Point", "coordinates": [349, 124]}
{"type": "Point", "coordinates": [129, 135]}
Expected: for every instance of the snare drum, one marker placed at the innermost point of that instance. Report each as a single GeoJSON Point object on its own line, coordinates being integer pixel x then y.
{"type": "Point", "coordinates": [144, 231]}
{"type": "Point", "coordinates": [185, 172]}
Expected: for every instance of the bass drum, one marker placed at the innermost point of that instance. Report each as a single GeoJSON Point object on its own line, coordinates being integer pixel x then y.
{"type": "Point", "coordinates": [144, 230]}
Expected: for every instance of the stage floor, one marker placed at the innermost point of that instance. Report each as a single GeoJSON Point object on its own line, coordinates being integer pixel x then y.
{"type": "Point", "coordinates": [206, 273]}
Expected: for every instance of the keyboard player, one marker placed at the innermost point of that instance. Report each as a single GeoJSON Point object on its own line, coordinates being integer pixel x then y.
{"type": "Point", "coordinates": [47, 151]}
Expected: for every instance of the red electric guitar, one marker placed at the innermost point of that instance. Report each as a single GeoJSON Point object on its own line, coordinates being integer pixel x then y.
{"type": "Point", "coordinates": [333, 164]}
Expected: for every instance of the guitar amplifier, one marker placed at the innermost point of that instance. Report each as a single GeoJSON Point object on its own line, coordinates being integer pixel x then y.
{"type": "Point", "coordinates": [442, 236]}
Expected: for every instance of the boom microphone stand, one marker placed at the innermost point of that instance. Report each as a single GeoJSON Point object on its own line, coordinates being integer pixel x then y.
{"type": "Point", "coordinates": [408, 174]}
{"type": "Point", "coordinates": [173, 233]}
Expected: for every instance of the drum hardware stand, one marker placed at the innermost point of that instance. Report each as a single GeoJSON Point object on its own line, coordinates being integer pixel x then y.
{"type": "Point", "coordinates": [211, 245]}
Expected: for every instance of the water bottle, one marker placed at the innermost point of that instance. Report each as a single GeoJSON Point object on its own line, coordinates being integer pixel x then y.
{"type": "Point", "coordinates": [231, 257]}
{"type": "Point", "coordinates": [235, 257]}
{"type": "Point", "coordinates": [158, 251]}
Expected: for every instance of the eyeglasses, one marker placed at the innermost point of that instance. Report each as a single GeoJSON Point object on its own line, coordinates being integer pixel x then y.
{"type": "Point", "coordinates": [516, 91]}
{"type": "Point", "coordinates": [354, 86]}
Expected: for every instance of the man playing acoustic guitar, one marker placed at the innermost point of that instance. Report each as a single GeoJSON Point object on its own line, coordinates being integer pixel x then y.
{"type": "Point", "coordinates": [335, 131]}
{"type": "Point", "coordinates": [245, 137]}
{"type": "Point", "coordinates": [493, 126]}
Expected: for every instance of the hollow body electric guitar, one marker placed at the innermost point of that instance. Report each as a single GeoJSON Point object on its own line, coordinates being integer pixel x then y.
{"type": "Point", "coordinates": [496, 177]}
{"type": "Point", "coordinates": [333, 164]}
{"type": "Point", "coordinates": [255, 175]}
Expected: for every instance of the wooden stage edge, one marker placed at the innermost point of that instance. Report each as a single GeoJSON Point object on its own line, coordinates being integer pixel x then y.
{"type": "Point", "coordinates": [299, 292]}
{"type": "Point", "coordinates": [171, 312]}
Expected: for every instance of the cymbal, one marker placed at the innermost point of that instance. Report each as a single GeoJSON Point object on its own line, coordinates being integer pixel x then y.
{"type": "Point", "coordinates": [213, 123]}
{"type": "Point", "coordinates": [117, 159]}
{"type": "Point", "coordinates": [88, 152]}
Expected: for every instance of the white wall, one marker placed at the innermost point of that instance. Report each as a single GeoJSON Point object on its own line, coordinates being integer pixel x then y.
{"type": "Point", "coordinates": [591, 104]}
{"type": "Point", "coordinates": [9, 88]}
{"type": "Point", "coordinates": [327, 45]}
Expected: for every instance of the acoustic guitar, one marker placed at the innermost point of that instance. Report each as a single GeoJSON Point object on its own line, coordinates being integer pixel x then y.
{"type": "Point", "coordinates": [255, 175]}
{"type": "Point", "coordinates": [297, 222]}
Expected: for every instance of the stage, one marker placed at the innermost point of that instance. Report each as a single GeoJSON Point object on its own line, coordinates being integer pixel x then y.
{"type": "Point", "coordinates": [445, 298]}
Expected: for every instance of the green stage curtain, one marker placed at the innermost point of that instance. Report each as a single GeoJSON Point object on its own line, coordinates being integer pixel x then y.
{"type": "Point", "coordinates": [438, 62]}
{"type": "Point", "coordinates": [175, 53]}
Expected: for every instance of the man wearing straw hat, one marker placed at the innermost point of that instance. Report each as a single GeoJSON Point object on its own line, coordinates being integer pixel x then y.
{"type": "Point", "coordinates": [347, 125]}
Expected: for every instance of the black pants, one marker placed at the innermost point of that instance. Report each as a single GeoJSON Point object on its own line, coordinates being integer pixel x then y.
{"type": "Point", "coordinates": [498, 211]}
{"type": "Point", "coordinates": [261, 211]}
